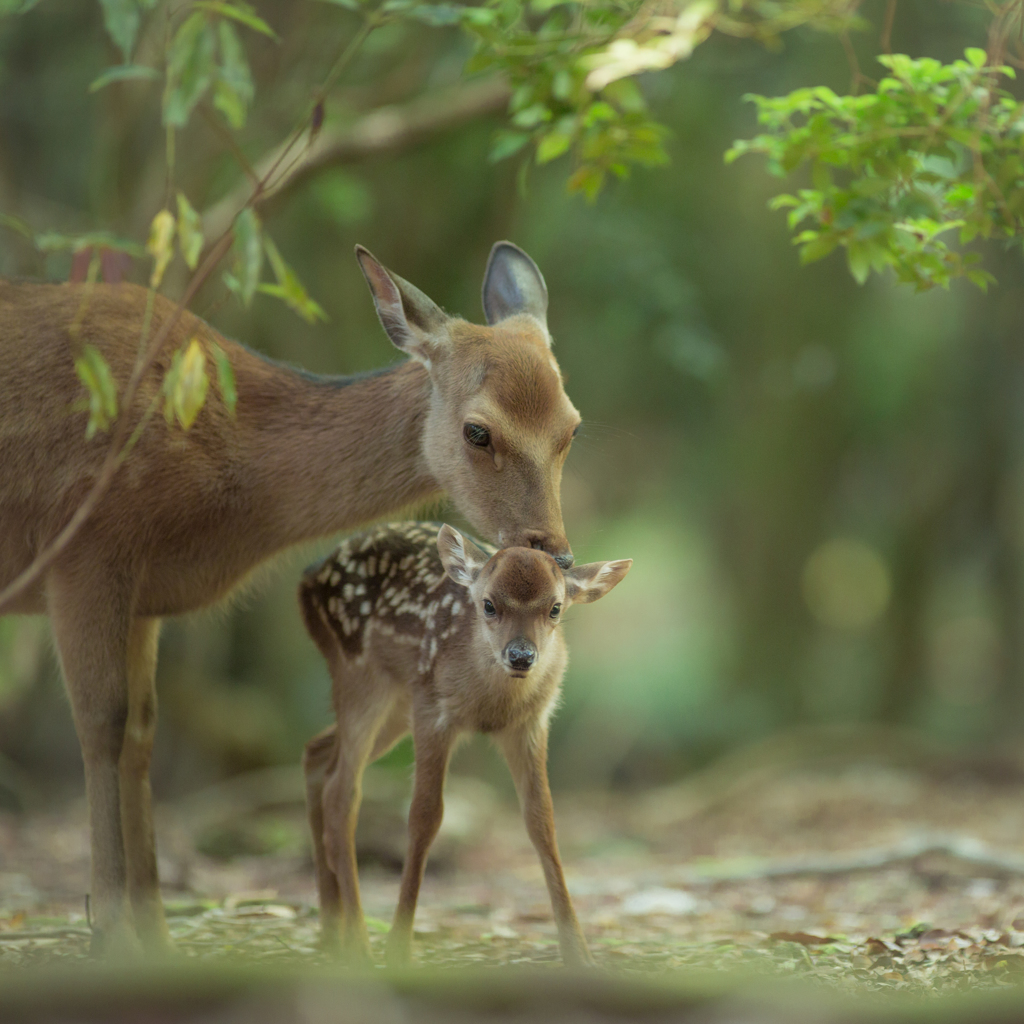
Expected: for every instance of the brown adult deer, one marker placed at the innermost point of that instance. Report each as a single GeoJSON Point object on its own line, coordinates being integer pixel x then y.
{"type": "Point", "coordinates": [424, 632]}
{"type": "Point", "coordinates": [478, 412]}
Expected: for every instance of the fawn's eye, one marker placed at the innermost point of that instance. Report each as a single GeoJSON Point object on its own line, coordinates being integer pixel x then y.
{"type": "Point", "coordinates": [555, 610]}
{"type": "Point", "coordinates": [479, 437]}
{"type": "Point", "coordinates": [489, 609]}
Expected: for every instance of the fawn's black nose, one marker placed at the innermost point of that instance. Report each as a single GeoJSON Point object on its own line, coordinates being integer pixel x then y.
{"type": "Point", "coordinates": [520, 654]}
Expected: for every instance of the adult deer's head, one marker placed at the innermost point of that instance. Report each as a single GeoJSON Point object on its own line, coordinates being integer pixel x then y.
{"type": "Point", "coordinates": [499, 424]}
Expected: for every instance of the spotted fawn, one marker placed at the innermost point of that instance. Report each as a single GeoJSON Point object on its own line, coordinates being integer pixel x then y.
{"type": "Point", "coordinates": [426, 633]}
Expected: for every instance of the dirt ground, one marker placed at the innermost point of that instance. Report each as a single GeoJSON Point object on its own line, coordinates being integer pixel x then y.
{"type": "Point", "coordinates": [865, 876]}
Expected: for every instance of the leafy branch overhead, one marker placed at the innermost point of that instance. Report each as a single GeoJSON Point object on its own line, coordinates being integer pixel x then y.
{"type": "Point", "coordinates": [935, 155]}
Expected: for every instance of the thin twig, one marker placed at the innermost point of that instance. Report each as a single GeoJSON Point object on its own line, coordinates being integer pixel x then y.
{"type": "Point", "coordinates": [885, 40]}
{"type": "Point", "coordinates": [370, 22]}
{"type": "Point", "coordinates": [851, 57]}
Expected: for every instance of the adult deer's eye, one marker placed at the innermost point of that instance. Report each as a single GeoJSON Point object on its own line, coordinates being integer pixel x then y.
{"type": "Point", "coordinates": [489, 609]}
{"type": "Point", "coordinates": [476, 435]}
{"type": "Point", "coordinates": [555, 611]}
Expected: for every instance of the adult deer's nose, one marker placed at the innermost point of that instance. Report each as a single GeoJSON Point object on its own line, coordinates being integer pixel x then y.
{"type": "Point", "coordinates": [557, 547]}
{"type": "Point", "coordinates": [520, 654]}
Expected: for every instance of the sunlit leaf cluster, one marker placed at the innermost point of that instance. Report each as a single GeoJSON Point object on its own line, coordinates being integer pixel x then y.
{"type": "Point", "coordinates": [573, 67]}
{"type": "Point", "coordinates": [906, 176]}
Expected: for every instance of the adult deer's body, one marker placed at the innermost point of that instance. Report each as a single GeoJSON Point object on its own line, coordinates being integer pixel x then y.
{"type": "Point", "coordinates": [425, 633]}
{"type": "Point", "coordinates": [191, 514]}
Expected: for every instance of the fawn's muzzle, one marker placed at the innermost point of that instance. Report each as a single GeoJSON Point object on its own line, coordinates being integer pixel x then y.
{"type": "Point", "coordinates": [520, 654]}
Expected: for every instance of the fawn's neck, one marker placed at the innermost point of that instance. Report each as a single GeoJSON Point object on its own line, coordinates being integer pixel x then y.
{"type": "Point", "coordinates": [327, 454]}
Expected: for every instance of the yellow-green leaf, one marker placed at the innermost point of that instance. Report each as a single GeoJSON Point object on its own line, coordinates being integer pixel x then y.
{"type": "Point", "coordinates": [160, 245]}
{"type": "Point", "coordinates": [94, 373]}
{"type": "Point", "coordinates": [289, 288]}
{"type": "Point", "coordinates": [186, 384]}
{"type": "Point", "coordinates": [190, 233]}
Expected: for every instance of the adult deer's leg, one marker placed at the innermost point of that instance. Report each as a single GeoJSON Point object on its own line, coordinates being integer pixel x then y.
{"type": "Point", "coordinates": [526, 751]}
{"type": "Point", "coordinates": [317, 762]}
{"type": "Point", "coordinates": [136, 796]}
{"type": "Point", "coordinates": [91, 618]}
{"type": "Point", "coordinates": [433, 751]}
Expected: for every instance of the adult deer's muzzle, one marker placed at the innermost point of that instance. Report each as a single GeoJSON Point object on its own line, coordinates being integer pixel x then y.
{"type": "Point", "coordinates": [555, 545]}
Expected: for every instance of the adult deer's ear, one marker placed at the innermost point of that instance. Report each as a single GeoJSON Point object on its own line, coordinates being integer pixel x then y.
{"type": "Point", "coordinates": [462, 559]}
{"type": "Point", "coordinates": [590, 582]}
{"type": "Point", "coordinates": [513, 284]}
{"type": "Point", "coordinates": [413, 321]}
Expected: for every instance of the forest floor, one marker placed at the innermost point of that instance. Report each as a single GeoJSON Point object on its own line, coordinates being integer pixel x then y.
{"type": "Point", "coordinates": [862, 877]}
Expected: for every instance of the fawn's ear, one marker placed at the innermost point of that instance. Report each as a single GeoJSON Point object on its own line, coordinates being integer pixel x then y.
{"type": "Point", "coordinates": [413, 321]}
{"type": "Point", "coordinates": [513, 284]}
{"type": "Point", "coordinates": [586, 583]}
{"type": "Point", "coordinates": [462, 559]}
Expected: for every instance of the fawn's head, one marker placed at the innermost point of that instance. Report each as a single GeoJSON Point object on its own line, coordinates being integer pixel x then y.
{"type": "Point", "coordinates": [499, 424]}
{"type": "Point", "coordinates": [520, 595]}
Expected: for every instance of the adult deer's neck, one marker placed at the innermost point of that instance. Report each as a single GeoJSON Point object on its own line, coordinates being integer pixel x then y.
{"type": "Point", "coordinates": [326, 454]}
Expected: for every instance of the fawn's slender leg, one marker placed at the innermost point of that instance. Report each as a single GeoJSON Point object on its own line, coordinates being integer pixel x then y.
{"type": "Point", "coordinates": [359, 723]}
{"type": "Point", "coordinates": [136, 795]}
{"type": "Point", "coordinates": [526, 750]}
{"type": "Point", "coordinates": [433, 751]}
{"type": "Point", "coordinates": [91, 618]}
{"type": "Point", "coordinates": [317, 761]}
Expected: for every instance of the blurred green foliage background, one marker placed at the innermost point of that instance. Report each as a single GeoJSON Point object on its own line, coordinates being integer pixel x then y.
{"type": "Point", "coordinates": [822, 484]}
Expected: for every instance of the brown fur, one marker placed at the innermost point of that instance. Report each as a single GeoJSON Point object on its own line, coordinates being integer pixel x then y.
{"type": "Point", "coordinates": [398, 613]}
{"type": "Point", "coordinates": [191, 514]}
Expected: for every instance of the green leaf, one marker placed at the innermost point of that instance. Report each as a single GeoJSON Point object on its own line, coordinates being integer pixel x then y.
{"type": "Point", "coordinates": [350, 5]}
{"type": "Point", "coordinates": [190, 232]}
{"type": "Point", "coordinates": [531, 116]}
{"type": "Point", "coordinates": [51, 241]}
{"type": "Point", "coordinates": [818, 247]}
{"type": "Point", "coordinates": [240, 12]}
{"type": "Point", "coordinates": [248, 248]}
{"type": "Point", "coordinates": [858, 259]}
{"type": "Point", "coordinates": [977, 57]}
{"type": "Point", "coordinates": [190, 68]}
{"type": "Point", "coordinates": [588, 180]}
{"type": "Point", "coordinates": [225, 378]}
{"type": "Point", "coordinates": [94, 373]}
{"type": "Point", "coordinates": [437, 15]}
{"type": "Point", "coordinates": [552, 146]}
{"type": "Point", "coordinates": [122, 19]}
{"type": "Point", "coordinates": [289, 288]}
{"type": "Point", "coordinates": [234, 90]}
{"type": "Point", "coordinates": [124, 73]}
{"type": "Point", "coordinates": [506, 144]}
